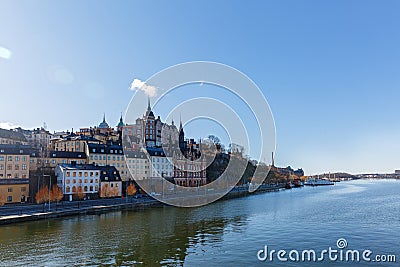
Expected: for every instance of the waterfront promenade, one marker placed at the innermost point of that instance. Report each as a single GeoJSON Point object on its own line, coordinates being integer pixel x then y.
{"type": "Point", "coordinates": [30, 212]}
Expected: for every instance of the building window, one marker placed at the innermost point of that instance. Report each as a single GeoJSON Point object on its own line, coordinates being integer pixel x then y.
{"type": "Point", "coordinates": [86, 180]}
{"type": "Point", "coordinates": [16, 158]}
{"type": "Point", "coordinates": [74, 174]}
{"type": "Point", "coordinates": [74, 181]}
{"type": "Point", "coordinates": [1, 167]}
{"type": "Point", "coordinates": [97, 173]}
{"type": "Point", "coordinates": [85, 189]}
{"type": "Point", "coordinates": [67, 189]}
{"type": "Point", "coordinates": [23, 189]}
{"type": "Point", "coordinates": [53, 161]}
{"type": "Point", "coordinates": [9, 199]}
{"type": "Point", "coordinates": [96, 188]}
{"type": "Point", "coordinates": [9, 158]}
{"type": "Point", "coordinates": [86, 174]}
{"type": "Point", "coordinates": [80, 181]}
{"type": "Point", "coordinates": [10, 189]}
{"type": "Point", "coordinates": [67, 181]}
{"type": "Point", "coordinates": [24, 158]}
{"type": "Point", "coordinates": [80, 174]}
{"type": "Point", "coordinates": [74, 189]}
{"type": "Point", "coordinates": [68, 174]}
{"type": "Point", "coordinates": [91, 188]}
{"type": "Point", "coordinates": [9, 167]}
{"type": "Point", "coordinates": [24, 166]}
{"type": "Point", "coordinates": [1, 158]}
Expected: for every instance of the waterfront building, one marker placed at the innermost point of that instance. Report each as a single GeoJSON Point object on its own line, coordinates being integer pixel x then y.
{"type": "Point", "coordinates": [189, 166]}
{"type": "Point", "coordinates": [73, 178]}
{"type": "Point", "coordinates": [91, 180]}
{"type": "Point", "coordinates": [14, 173]}
{"type": "Point", "coordinates": [12, 137]}
{"type": "Point", "coordinates": [138, 165]}
{"type": "Point", "coordinates": [110, 182]}
{"type": "Point", "coordinates": [161, 163]}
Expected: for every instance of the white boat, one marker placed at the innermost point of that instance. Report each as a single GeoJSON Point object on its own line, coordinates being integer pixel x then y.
{"type": "Point", "coordinates": [317, 182]}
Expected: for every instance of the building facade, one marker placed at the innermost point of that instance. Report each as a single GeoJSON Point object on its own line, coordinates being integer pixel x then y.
{"type": "Point", "coordinates": [189, 166]}
{"type": "Point", "coordinates": [73, 178]}
{"type": "Point", "coordinates": [110, 182]}
{"type": "Point", "coordinates": [109, 154]}
{"type": "Point", "coordinates": [12, 137]}
{"type": "Point", "coordinates": [14, 173]}
{"type": "Point", "coordinates": [138, 165]}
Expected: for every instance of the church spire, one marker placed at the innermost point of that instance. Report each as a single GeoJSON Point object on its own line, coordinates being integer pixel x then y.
{"type": "Point", "coordinates": [148, 103]}
{"type": "Point", "coordinates": [180, 122]}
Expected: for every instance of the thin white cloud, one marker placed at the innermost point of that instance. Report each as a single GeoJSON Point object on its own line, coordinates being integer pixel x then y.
{"type": "Point", "coordinates": [8, 125]}
{"type": "Point", "coordinates": [140, 85]}
{"type": "Point", "coordinates": [60, 75]}
{"type": "Point", "coordinates": [5, 53]}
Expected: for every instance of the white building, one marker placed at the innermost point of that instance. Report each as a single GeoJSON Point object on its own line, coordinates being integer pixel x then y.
{"type": "Point", "coordinates": [138, 165]}
{"type": "Point", "coordinates": [72, 178]}
{"type": "Point", "coordinates": [161, 165]}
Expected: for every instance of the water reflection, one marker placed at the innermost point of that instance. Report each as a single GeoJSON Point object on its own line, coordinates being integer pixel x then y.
{"type": "Point", "coordinates": [151, 237]}
{"type": "Point", "coordinates": [225, 233]}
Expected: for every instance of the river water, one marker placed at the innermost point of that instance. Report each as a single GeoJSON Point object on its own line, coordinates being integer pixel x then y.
{"type": "Point", "coordinates": [365, 213]}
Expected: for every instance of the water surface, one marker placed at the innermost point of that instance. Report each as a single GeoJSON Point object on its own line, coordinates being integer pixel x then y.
{"type": "Point", "coordinates": [366, 213]}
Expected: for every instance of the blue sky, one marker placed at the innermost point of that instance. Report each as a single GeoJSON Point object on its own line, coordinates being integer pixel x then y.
{"type": "Point", "coordinates": [329, 69]}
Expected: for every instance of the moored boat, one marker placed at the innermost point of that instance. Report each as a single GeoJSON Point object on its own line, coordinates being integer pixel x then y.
{"type": "Point", "coordinates": [318, 182]}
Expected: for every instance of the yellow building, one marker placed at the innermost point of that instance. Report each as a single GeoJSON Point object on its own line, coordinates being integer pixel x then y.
{"type": "Point", "coordinates": [111, 155]}
{"type": "Point", "coordinates": [72, 143]}
{"type": "Point", "coordinates": [53, 158]}
{"type": "Point", "coordinates": [14, 173]}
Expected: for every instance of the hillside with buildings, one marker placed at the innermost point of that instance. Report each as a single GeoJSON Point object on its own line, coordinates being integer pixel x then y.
{"type": "Point", "coordinates": [101, 161]}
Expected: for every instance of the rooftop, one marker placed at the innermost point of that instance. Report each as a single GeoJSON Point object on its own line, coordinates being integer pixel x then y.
{"type": "Point", "coordinates": [10, 134]}
{"type": "Point", "coordinates": [15, 149]}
